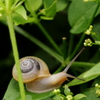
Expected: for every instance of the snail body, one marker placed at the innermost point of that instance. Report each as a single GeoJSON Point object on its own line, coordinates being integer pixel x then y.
{"type": "Point", "coordinates": [36, 75]}
{"type": "Point", "coordinates": [46, 84]}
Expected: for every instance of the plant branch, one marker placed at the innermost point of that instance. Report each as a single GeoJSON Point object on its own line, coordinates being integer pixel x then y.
{"type": "Point", "coordinates": [78, 45]}
{"type": "Point", "coordinates": [76, 64]}
{"type": "Point", "coordinates": [15, 49]}
{"type": "Point", "coordinates": [39, 43]}
{"type": "Point", "coordinates": [46, 34]}
{"type": "Point", "coordinates": [70, 46]}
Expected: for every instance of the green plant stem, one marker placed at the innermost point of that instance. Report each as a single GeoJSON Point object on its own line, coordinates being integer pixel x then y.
{"type": "Point", "coordinates": [64, 48]}
{"type": "Point", "coordinates": [49, 38]}
{"type": "Point", "coordinates": [70, 46]}
{"type": "Point", "coordinates": [8, 4]}
{"type": "Point", "coordinates": [17, 5]}
{"type": "Point", "coordinates": [75, 64]}
{"type": "Point", "coordinates": [46, 33]}
{"type": "Point", "coordinates": [16, 55]}
{"type": "Point", "coordinates": [95, 35]}
{"type": "Point", "coordinates": [39, 43]}
{"type": "Point", "coordinates": [96, 43]}
{"type": "Point", "coordinates": [2, 5]}
{"type": "Point", "coordinates": [78, 45]}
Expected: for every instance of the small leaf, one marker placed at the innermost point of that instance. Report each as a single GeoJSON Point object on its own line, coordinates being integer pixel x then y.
{"type": "Point", "coordinates": [33, 5]}
{"type": "Point", "coordinates": [79, 96]}
{"type": "Point", "coordinates": [21, 11]}
{"type": "Point", "coordinates": [51, 10]}
{"type": "Point", "coordinates": [67, 90]}
{"type": "Point", "coordinates": [20, 20]}
{"type": "Point", "coordinates": [93, 71]}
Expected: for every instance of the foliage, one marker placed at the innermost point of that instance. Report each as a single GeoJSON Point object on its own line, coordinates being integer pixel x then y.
{"type": "Point", "coordinates": [84, 23]}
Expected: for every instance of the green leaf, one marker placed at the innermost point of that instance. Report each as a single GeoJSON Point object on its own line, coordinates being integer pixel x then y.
{"type": "Point", "coordinates": [96, 29]}
{"type": "Point", "coordinates": [48, 3]}
{"type": "Point", "coordinates": [90, 94]}
{"type": "Point", "coordinates": [61, 4]}
{"type": "Point", "coordinates": [79, 96]}
{"type": "Point", "coordinates": [80, 15]}
{"type": "Point", "coordinates": [21, 11]}
{"type": "Point", "coordinates": [33, 5]}
{"type": "Point", "coordinates": [67, 90]}
{"type": "Point", "coordinates": [50, 10]}
{"type": "Point", "coordinates": [13, 93]}
{"type": "Point", "coordinates": [77, 82]}
{"type": "Point", "coordinates": [57, 97]}
{"type": "Point", "coordinates": [20, 20]}
{"type": "Point", "coordinates": [93, 71]}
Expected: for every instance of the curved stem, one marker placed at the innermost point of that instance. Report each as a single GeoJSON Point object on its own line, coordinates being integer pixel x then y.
{"type": "Point", "coordinates": [46, 34]}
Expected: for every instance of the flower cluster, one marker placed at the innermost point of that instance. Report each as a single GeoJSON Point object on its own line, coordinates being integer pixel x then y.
{"type": "Point", "coordinates": [69, 97]}
{"type": "Point", "coordinates": [89, 31]}
{"type": "Point", "coordinates": [88, 42]}
{"type": "Point", "coordinates": [97, 86]}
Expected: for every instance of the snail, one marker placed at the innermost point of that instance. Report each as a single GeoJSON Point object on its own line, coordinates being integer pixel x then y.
{"type": "Point", "coordinates": [36, 75]}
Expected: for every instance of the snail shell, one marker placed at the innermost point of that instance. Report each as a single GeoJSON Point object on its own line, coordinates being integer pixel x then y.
{"type": "Point", "coordinates": [31, 67]}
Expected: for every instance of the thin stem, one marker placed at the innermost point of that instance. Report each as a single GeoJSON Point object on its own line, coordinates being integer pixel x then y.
{"type": "Point", "coordinates": [70, 46]}
{"type": "Point", "coordinates": [64, 49]}
{"type": "Point", "coordinates": [1, 4]}
{"type": "Point", "coordinates": [17, 5]}
{"type": "Point", "coordinates": [14, 4]}
{"type": "Point", "coordinates": [46, 33]}
{"type": "Point", "coordinates": [78, 45]}
{"type": "Point", "coordinates": [16, 55]}
{"type": "Point", "coordinates": [8, 4]}
{"type": "Point", "coordinates": [95, 35]}
{"type": "Point", "coordinates": [59, 69]}
{"type": "Point", "coordinates": [49, 38]}
{"type": "Point", "coordinates": [66, 69]}
{"type": "Point", "coordinates": [39, 43]}
{"type": "Point", "coordinates": [76, 64]}
{"type": "Point", "coordinates": [96, 43]}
